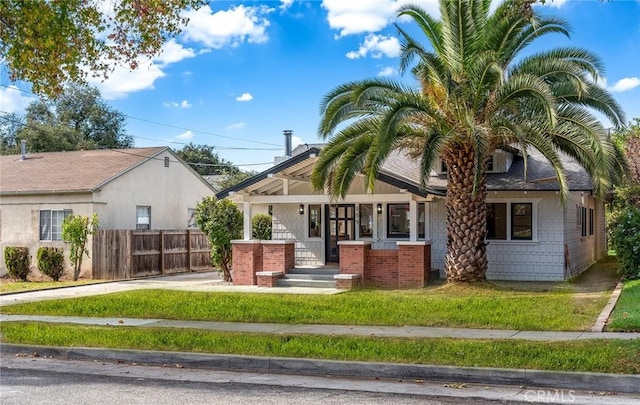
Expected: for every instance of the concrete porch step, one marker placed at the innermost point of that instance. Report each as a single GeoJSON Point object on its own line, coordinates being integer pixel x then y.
{"type": "Point", "coordinates": [297, 282]}
{"type": "Point", "coordinates": [314, 270]}
{"type": "Point", "coordinates": [304, 276]}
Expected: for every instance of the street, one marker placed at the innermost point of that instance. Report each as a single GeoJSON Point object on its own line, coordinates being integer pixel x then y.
{"type": "Point", "coordinates": [35, 380]}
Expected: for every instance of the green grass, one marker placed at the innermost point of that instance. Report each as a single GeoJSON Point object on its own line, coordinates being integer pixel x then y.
{"type": "Point", "coordinates": [584, 355]}
{"type": "Point", "coordinates": [448, 306]}
{"type": "Point", "coordinates": [626, 315]}
{"type": "Point", "coordinates": [22, 286]}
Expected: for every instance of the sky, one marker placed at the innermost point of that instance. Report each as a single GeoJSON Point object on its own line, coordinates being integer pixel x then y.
{"type": "Point", "coordinates": [241, 72]}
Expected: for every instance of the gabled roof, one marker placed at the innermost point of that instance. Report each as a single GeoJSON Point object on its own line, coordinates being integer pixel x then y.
{"type": "Point", "coordinates": [403, 172]}
{"type": "Point", "coordinates": [300, 166]}
{"type": "Point", "coordinates": [69, 172]}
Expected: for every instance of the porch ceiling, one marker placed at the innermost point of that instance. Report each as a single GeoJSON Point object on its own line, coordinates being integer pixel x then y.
{"type": "Point", "coordinates": [281, 182]}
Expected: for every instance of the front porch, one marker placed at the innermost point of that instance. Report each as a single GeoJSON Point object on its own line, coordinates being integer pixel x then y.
{"type": "Point", "coordinates": [267, 263]}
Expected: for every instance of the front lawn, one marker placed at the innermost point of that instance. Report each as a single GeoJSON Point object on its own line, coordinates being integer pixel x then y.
{"type": "Point", "coordinates": [478, 306]}
{"type": "Point", "coordinates": [584, 355]}
{"type": "Point", "coordinates": [10, 286]}
{"type": "Point", "coordinates": [626, 315]}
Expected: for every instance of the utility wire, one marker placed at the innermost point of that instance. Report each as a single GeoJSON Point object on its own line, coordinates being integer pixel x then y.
{"type": "Point", "coordinates": [168, 125]}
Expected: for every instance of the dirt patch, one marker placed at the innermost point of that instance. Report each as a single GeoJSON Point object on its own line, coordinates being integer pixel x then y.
{"type": "Point", "coordinates": [600, 277]}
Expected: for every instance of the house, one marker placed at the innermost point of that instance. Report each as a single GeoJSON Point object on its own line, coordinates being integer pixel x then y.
{"type": "Point", "coordinates": [138, 189]}
{"type": "Point", "coordinates": [396, 236]}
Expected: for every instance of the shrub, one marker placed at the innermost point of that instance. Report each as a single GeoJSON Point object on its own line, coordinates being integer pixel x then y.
{"type": "Point", "coordinates": [76, 230]}
{"type": "Point", "coordinates": [625, 239]}
{"type": "Point", "coordinates": [17, 260]}
{"type": "Point", "coordinates": [261, 227]}
{"type": "Point", "coordinates": [221, 221]}
{"type": "Point", "coordinates": [51, 262]}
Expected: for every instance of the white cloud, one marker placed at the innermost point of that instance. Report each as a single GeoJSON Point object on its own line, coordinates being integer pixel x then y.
{"type": "Point", "coordinates": [238, 125]}
{"type": "Point", "coordinates": [388, 71]}
{"type": "Point", "coordinates": [377, 46]}
{"type": "Point", "coordinates": [227, 27]}
{"type": "Point", "coordinates": [358, 16]}
{"type": "Point", "coordinates": [174, 52]}
{"type": "Point", "coordinates": [12, 100]}
{"type": "Point", "coordinates": [185, 136]}
{"type": "Point", "coordinates": [123, 81]}
{"type": "Point", "coordinates": [182, 104]}
{"type": "Point", "coordinates": [295, 141]}
{"type": "Point", "coordinates": [626, 84]}
{"type": "Point", "coordinates": [285, 4]}
{"type": "Point", "coordinates": [553, 3]}
{"type": "Point", "coordinates": [244, 97]}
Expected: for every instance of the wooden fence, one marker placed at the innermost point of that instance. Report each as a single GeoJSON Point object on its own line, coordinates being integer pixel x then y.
{"type": "Point", "coordinates": [122, 254]}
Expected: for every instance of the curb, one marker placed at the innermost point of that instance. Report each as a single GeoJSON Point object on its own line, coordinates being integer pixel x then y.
{"type": "Point", "coordinates": [601, 322]}
{"type": "Point", "coordinates": [278, 365]}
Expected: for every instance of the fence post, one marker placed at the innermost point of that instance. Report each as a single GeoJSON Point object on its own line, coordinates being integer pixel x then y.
{"type": "Point", "coordinates": [189, 250]}
{"type": "Point", "coordinates": [129, 254]}
{"type": "Point", "coordinates": [161, 252]}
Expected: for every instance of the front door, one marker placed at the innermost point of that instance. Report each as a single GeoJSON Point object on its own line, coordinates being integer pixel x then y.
{"type": "Point", "coordinates": [341, 225]}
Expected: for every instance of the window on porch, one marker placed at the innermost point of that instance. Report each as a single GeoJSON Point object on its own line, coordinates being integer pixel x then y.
{"type": "Point", "coordinates": [315, 221]}
{"type": "Point", "coordinates": [398, 220]}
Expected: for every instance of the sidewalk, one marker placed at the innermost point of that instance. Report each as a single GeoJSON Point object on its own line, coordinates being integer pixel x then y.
{"type": "Point", "coordinates": [328, 330]}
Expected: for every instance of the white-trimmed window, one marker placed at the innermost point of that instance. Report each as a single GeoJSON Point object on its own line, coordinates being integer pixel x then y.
{"type": "Point", "coordinates": [366, 220]}
{"type": "Point", "coordinates": [143, 218]}
{"type": "Point", "coordinates": [512, 221]}
{"type": "Point", "coordinates": [398, 220]}
{"type": "Point", "coordinates": [51, 224]}
{"type": "Point", "coordinates": [315, 221]}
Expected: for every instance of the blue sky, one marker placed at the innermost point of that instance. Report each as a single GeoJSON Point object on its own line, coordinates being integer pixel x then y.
{"type": "Point", "coordinates": [243, 71]}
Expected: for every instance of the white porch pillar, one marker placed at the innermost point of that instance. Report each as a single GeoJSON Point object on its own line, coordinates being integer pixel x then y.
{"type": "Point", "coordinates": [413, 220]}
{"type": "Point", "coordinates": [247, 220]}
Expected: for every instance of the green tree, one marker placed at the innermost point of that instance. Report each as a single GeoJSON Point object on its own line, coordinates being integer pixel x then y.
{"type": "Point", "coordinates": [49, 43]}
{"type": "Point", "coordinates": [10, 124]}
{"type": "Point", "coordinates": [76, 230]}
{"type": "Point", "coordinates": [222, 222]}
{"type": "Point", "coordinates": [476, 92]}
{"type": "Point", "coordinates": [77, 119]}
{"type": "Point", "coordinates": [231, 179]}
{"type": "Point", "coordinates": [205, 160]}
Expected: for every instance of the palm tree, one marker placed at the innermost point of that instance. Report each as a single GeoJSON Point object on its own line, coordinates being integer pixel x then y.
{"type": "Point", "coordinates": [476, 93]}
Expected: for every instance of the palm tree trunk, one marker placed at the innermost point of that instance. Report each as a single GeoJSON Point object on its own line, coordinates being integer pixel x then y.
{"type": "Point", "coordinates": [466, 258]}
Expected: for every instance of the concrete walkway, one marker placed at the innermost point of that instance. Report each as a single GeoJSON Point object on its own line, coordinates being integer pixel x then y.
{"type": "Point", "coordinates": [329, 330]}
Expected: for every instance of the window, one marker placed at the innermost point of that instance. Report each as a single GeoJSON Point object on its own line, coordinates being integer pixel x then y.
{"type": "Point", "coordinates": [143, 218]}
{"type": "Point", "coordinates": [489, 167]}
{"type": "Point", "coordinates": [443, 167]}
{"type": "Point", "coordinates": [591, 221]}
{"type": "Point", "coordinates": [315, 221]}
{"type": "Point", "coordinates": [521, 221]}
{"type": "Point", "coordinates": [517, 218]}
{"type": "Point", "coordinates": [398, 220]}
{"type": "Point", "coordinates": [583, 221]}
{"type": "Point", "coordinates": [51, 223]}
{"type": "Point", "coordinates": [421, 220]}
{"type": "Point", "coordinates": [366, 220]}
{"type": "Point", "coordinates": [497, 221]}
{"type": "Point", "coordinates": [191, 218]}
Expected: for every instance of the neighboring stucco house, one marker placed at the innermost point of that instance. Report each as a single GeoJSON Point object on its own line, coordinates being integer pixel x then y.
{"type": "Point", "coordinates": [141, 188]}
{"type": "Point", "coordinates": [531, 236]}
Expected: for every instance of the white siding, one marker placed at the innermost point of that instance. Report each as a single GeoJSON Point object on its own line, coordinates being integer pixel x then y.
{"type": "Point", "coordinates": [583, 251]}
{"type": "Point", "coordinates": [541, 260]}
{"type": "Point", "coordinates": [289, 224]}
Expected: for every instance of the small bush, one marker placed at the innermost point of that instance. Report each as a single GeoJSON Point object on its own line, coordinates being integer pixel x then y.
{"type": "Point", "coordinates": [17, 260]}
{"type": "Point", "coordinates": [51, 262]}
{"type": "Point", "coordinates": [625, 239]}
{"type": "Point", "coordinates": [261, 227]}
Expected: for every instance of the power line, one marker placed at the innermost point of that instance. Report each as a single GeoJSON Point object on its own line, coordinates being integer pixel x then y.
{"type": "Point", "coordinates": [169, 125]}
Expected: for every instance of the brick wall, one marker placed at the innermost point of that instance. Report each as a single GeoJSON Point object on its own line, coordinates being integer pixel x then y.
{"type": "Point", "coordinates": [278, 255]}
{"type": "Point", "coordinates": [382, 268]}
{"type": "Point", "coordinates": [414, 264]}
{"type": "Point", "coordinates": [353, 257]}
{"type": "Point", "coordinates": [247, 261]}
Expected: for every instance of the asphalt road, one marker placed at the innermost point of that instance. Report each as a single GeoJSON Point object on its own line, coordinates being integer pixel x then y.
{"type": "Point", "coordinates": [35, 380]}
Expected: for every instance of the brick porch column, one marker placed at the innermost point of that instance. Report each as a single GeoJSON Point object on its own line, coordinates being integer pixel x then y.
{"type": "Point", "coordinates": [353, 256]}
{"type": "Point", "coordinates": [278, 255]}
{"type": "Point", "coordinates": [247, 261]}
{"type": "Point", "coordinates": [414, 264]}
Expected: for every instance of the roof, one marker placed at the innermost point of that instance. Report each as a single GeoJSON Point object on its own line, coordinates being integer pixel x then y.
{"type": "Point", "coordinates": [540, 176]}
{"type": "Point", "coordinates": [66, 172]}
{"type": "Point", "coordinates": [404, 172]}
